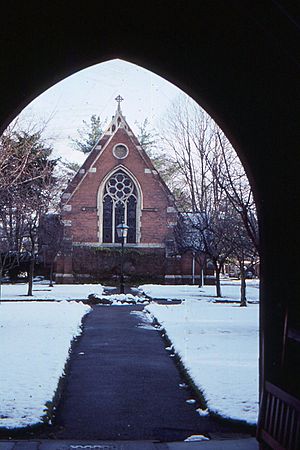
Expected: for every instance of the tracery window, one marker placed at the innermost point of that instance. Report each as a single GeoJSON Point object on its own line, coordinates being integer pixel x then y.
{"type": "Point", "coordinates": [119, 204]}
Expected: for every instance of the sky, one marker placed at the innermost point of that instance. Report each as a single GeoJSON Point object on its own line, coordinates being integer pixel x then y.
{"type": "Point", "coordinates": [93, 91]}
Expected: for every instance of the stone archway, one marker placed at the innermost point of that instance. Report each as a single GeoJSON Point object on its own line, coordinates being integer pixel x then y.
{"type": "Point", "coordinates": [241, 62]}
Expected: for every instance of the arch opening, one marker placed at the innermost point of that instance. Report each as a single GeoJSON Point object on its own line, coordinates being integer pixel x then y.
{"type": "Point", "coordinates": [238, 60]}
{"type": "Point", "coordinates": [120, 199]}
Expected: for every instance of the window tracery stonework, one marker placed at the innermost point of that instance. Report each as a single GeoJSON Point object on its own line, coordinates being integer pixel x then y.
{"type": "Point", "coordinates": [119, 205]}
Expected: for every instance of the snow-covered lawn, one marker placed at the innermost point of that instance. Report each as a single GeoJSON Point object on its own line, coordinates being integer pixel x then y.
{"type": "Point", "coordinates": [35, 339]}
{"type": "Point", "coordinates": [230, 291]}
{"type": "Point", "coordinates": [43, 292]}
{"type": "Point", "coordinates": [218, 344]}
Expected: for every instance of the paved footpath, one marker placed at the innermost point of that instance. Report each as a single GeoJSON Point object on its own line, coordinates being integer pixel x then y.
{"type": "Point", "coordinates": [123, 385]}
{"type": "Point", "coordinates": [241, 444]}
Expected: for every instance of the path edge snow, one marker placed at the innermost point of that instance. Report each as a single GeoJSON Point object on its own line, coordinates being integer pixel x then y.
{"type": "Point", "coordinates": [197, 392]}
{"type": "Point", "coordinates": [48, 418]}
{"type": "Point", "coordinates": [51, 405]}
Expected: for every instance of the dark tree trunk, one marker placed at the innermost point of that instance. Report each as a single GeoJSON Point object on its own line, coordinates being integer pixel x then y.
{"type": "Point", "coordinates": [200, 273]}
{"type": "Point", "coordinates": [31, 264]}
{"type": "Point", "coordinates": [51, 274]}
{"type": "Point", "coordinates": [30, 275]}
{"type": "Point", "coordinates": [218, 282]}
{"type": "Point", "coordinates": [243, 301]}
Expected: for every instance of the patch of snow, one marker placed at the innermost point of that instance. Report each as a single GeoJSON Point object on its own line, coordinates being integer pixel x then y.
{"type": "Point", "coordinates": [118, 299]}
{"type": "Point", "coordinates": [230, 291]}
{"type": "Point", "coordinates": [170, 292]}
{"type": "Point", "coordinates": [145, 318]}
{"type": "Point", "coordinates": [146, 322]}
{"type": "Point", "coordinates": [196, 438]}
{"type": "Point", "coordinates": [191, 401]}
{"type": "Point", "coordinates": [146, 327]}
{"type": "Point", "coordinates": [58, 292]}
{"type": "Point", "coordinates": [218, 344]}
{"type": "Point", "coordinates": [35, 339]}
{"type": "Point", "coordinates": [202, 412]}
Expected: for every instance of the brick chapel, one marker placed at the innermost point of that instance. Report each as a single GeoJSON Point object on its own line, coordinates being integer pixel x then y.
{"type": "Point", "coordinates": [119, 183]}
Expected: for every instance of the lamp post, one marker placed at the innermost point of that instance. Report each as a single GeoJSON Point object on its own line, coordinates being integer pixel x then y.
{"type": "Point", "coordinates": [122, 230]}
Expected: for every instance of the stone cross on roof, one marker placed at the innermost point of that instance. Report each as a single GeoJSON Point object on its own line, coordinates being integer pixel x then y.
{"type": "Point", "coordinates": [119, 99]}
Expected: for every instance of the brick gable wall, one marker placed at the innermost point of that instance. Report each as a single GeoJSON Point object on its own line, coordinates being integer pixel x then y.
{"type": "Point", "coordinates": [81, 208]}
{"type": "Point", "coordinates": [84, 257]}
{"type": "Point", "coordinates": [157, 205]}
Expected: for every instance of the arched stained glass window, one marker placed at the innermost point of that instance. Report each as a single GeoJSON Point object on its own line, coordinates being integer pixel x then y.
{"type": "Point", "coordinates": [119, 205]}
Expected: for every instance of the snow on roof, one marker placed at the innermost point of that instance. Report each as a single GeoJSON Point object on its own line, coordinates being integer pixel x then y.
{"type": "Point", "coordinates": [189, 235]}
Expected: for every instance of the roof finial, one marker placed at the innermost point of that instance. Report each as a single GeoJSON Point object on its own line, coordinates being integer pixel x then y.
{"type": "Point", "coordinates": [119, 99]}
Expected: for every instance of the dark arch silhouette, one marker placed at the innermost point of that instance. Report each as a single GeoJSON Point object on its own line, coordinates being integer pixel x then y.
{"type": "Point", "coordinates": [241, 62]}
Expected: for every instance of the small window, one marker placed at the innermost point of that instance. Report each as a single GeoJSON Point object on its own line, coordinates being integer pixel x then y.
{"type": "Point", "coordinates": [120, 151]}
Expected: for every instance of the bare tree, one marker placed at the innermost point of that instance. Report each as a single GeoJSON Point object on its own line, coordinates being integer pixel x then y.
{"type": "Point", "coordinates": [27, 194]}
{"type": "Point", "coordinates": [186, 136]}
{"type": "Point", "coordinates": [8, 260]}
{"type": "Point", "coordinates": [233, 180]}
{"type": "Point", "coordinates": [188, 239]}
{"type": "Point", "coordinates": [244, 251]}
{"type": "Point", "coordinates": [214, 179]}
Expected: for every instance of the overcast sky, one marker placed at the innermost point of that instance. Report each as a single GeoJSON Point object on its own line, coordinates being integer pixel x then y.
{"type": "Point", "coordinates": [92, 91]}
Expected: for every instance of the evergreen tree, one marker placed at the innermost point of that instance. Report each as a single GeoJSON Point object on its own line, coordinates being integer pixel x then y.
{"type": "Point", "coordinates": [148, 138]}
{"type": "Point", "coordinates": [88, 134]}
{"type": "Point", "coordinates": [71, 167]}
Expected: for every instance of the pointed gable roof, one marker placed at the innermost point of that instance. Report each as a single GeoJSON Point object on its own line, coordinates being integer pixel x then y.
{"type": "Point", "coordinates": [118, 122]}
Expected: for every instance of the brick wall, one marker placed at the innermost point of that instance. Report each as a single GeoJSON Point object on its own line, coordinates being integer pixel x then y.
{"type": "Point", "coordinates": [81, 208]}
